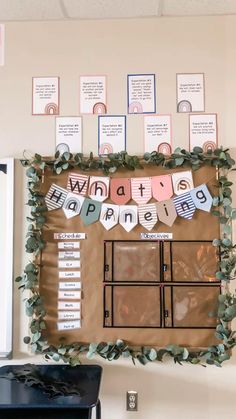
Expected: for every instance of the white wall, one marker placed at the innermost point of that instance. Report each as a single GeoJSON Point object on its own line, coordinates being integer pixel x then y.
{"type": "Point", "coordinates": [161, 46]}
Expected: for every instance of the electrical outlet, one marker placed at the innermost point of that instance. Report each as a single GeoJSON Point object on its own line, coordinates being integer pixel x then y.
{"type": "Point", "coordinates": [132, 401]}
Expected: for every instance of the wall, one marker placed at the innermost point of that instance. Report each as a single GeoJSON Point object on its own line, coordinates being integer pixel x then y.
{"type": "Point", "coordinates": [163, 46]}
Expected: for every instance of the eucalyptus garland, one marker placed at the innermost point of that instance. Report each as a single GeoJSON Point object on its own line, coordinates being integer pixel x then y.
{"type": "Point", "coordinates": [222, 208]}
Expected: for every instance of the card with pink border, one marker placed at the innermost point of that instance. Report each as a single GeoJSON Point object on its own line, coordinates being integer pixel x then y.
{"type": "Point", "coordinates": [93, 94]}
{"type": "Point", "coordinates": [45, 95]}
{"type": "Point", "coordinates": [158, 133]}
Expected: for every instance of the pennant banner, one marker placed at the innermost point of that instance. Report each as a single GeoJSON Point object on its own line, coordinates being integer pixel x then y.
{"type": "Point", "coordinates": [77, 184]}
{"type": "Point", "coordinates": [55, 197]}
{"type": "Point", "coordinates": [128, 216]}
{"type": "Point", "coordinates": [184, 206]}
{"type": "Point", "coordinates": [147, 215]}
{"type": "Point", "coordinates": [182, 182]}
{"type": "Point", "coordinates": [74, 200]}
{"type": "Point", "coordinates": [141, 189]}
{"type": "Point", "coordinates": [72, 205]}
{"type": "Point", "coordinates": [109, 215]}
{"type": "Point", "coordinates": [99, 188]}
{"type": "Point", "coordinates": [166, 212]}
{"type": "Point", "coordinates": [90, 211]}
{"type": "Point", "coordinates": [202, 198]}
{"type": "Point", "coordinates": [162, 187]}
{"type": "Point", "coordinates": [120, 191]}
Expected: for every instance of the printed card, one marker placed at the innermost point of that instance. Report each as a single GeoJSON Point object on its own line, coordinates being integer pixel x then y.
{"type": "Point", "coordinates": [203, 131]}
{"type": "Point", "coordinates": [109, 216]}
{"type": "Point", "coordinates": [69, 295]}
{"type": "Point", "coordinates": [68, 315]}
{"type": "Point", "coordinates": [182, 182]}
{"type": "Point", "coordinates": [71, 325]}
{"type": "Point", "coordinates": [128, 217]}
{"type": "Point", "coordinates": [68, 245]}
{"type": "Point", "coordinates": [69, 274]}
{"type": "Point", "coordinates": [157, 134]}
{"type": "Point", "coordinates": [69, 254]}
{"type": "Point", "coordinates": [190, 92]}
{"type": "Point", "coordinates": [45, 96]}
{"type": "Point", "coordinates": [72, 205]}
{"type": "Point", "coordinates": [93, 96]}
{"type": "Point", "coordinates": [55, 197]}
{"type": "Point", "coordinates": [99, 188]}
{"type": "Point", "coordinates": [141, 93]}
{"type": "Point", "coordinates": [69, 264]}
{"type": "Point", "coordinates": [141, 189]}
{"type": "Point", "coordinates": [77, 183]}
{"type": "Point", "coordinates": [69, 236]}
{"type": "Point", "coordinates": [69, 134]}
{"type": "Point", "coordinates": [70, 285]}
{"type": "Point", "coordinates": [69, 305]}
{"type": "Point", "coordinates": [111, 134]}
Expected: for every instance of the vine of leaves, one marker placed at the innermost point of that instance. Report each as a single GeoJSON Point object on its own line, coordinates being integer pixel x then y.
{"type": "Point", "coordinates": [29, 280]}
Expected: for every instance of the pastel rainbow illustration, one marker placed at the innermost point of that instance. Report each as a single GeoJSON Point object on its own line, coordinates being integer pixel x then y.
{"type": "Point", "coordinates": [135, 107]}
{"type": "Point", "coordinates": [209, 145]}
{"type": "Point", "coordinates": [164, 148]}
{"type": "Point", "coordinates": [184, 106]}
{"type": "Point", "coordinates": [99, 108]}
{"type": "Point", "coordinates": [51, 109]}
{"type": "Point", "coordinates": [106, 148]}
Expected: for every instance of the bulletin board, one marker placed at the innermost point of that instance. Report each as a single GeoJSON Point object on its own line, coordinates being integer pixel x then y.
{"type": "Point", "coordinates": [143, 294]}
{"type": "Point", "coordinates": [201, 230]}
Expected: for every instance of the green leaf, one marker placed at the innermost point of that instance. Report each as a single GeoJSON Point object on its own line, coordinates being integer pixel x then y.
{"type": "Point", "coordinates": [233, 214]}
{"type": "Point", "coordinates": [226, 242]}
{"type": "Point", "coordinates": [36, 336]}
{"type": "Point", "coordinates": [197, 150]}
{"type": "Point", "coordinates": [152, 355]}
{"type": "Point", "coordinates": [179, 161]}
{"type": "Point", "coordinates": [56, 357]}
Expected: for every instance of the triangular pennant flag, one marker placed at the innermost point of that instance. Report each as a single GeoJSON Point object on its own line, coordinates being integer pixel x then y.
{"type": "Point", "coordinates": [109, 216]}
{"type": "Point", "coordinates": [99, 188]}
{"type": "Point", "coordinates": [120, 191]}
{"type": "Point", "coordinates": [141, 189]}
{"type": "Point", "coordinates": [128, 217]}
{"type": "Point", "coordinates": [182, 182]}
{"type": "Point", "coordinates": [201, 197]}
{"type": "Point", "coordinates": [147, 215]}
{"type": "Point", "coordinates": [77, 183]}
{"type": "Point", "coordinates": [184, 205]}
{"type": "Point", "coordinates": [72, 205]}
{"type": "Point", "coordinates": [90, 211]}
{"type": "Point", "coordinates": [55, 197]}
{"type": "Point", "coordinates": [162, 187]}
{"type": "Point", "coordinates": [166, 212]}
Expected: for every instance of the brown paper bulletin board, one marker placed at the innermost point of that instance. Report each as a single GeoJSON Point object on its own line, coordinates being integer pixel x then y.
{"type": "Point", "coordinates": [203, 226]}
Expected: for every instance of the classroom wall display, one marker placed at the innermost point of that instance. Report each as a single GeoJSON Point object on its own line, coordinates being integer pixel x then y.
{"type": "Point", "coordinates": [190, 92]}
{"type": "Point", "coordinates": [141, 279]}
{"type": "Point", "coordinates": [93, 94]}
{"type": "Point", "coordinates": [45, 95]}
{"type": "Point", "coordinates": [141, 93]}
{"type": "Point", "coordinates": [101, 258]}
{"type": "Point", "coordinates": [203, 131]}
{"type": "Point", "coordinates": [68, 134]}
{"type": "Point", "coordinates": [158, 133]}
{"type": "Point", "coordinates": [111, 134]}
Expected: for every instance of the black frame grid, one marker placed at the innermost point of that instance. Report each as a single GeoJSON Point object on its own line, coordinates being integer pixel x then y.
{"type": "Point", "coordinates": [162, 284]}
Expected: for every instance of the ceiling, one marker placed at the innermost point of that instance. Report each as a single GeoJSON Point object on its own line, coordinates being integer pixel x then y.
{"type": "Point", "coordinates": [23, 10]}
